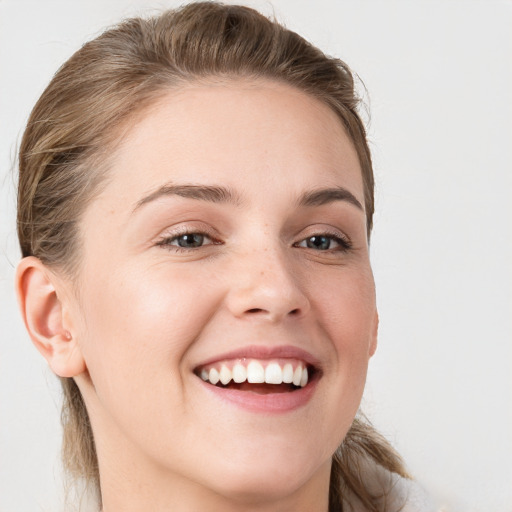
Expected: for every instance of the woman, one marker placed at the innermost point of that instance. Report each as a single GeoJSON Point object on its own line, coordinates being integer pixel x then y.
{"type": "Point", "coordinates": [194, 209]}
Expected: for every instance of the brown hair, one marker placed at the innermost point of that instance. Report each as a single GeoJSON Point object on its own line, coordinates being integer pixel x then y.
{"type": "Point", "coordinates": [79, 118]}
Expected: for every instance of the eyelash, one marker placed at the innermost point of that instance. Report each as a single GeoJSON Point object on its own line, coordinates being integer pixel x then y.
{"type": "Point", "coordinates": [167, 241]}
{"type": "Point", "coordinates": [344, 243]}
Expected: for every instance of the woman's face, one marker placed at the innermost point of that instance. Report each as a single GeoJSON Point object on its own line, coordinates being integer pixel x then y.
{"type": "Point", "coordinates": [228, 243]}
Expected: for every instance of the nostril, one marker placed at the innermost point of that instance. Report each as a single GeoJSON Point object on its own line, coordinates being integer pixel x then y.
{"type": "Point", "coordinates": [255, 310]}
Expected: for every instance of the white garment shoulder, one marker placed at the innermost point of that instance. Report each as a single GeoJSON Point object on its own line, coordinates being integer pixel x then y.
{"type": "Point", "coordinates": [398, 494]}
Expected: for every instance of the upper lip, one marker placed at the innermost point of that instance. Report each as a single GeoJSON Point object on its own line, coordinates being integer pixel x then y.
{"type": "Point", "coordinates": [264, 352]}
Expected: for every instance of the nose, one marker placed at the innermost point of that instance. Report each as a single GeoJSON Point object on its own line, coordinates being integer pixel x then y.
{"type": "Point", "coordinates": [264, 286]}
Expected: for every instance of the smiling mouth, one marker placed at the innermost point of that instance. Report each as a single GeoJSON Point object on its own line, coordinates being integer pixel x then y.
{"type": "Point", "coordinates": [258, 376]}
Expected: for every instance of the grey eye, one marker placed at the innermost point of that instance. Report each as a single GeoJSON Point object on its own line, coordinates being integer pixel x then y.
{"type": "Point", "coordinates": [325, 242]}
{"type": "Point", "coordinates": [319, 242]}
{"type": "Point", "coordinates": [189, 240]}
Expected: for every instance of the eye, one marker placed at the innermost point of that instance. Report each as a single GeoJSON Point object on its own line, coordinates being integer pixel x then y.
{"type": "Point", "coordinates": [186, 241]}
{"type": "Point", "coordinates": [325, 242]}
{"type": "Point", "coordinates": [189, 240]}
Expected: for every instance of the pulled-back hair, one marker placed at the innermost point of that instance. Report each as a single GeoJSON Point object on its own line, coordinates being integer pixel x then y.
{"type": "Point", "coordinates": [81, 116]}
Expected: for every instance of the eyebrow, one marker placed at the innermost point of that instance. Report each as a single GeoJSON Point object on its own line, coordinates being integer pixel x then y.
{"type": "Point", "coordinates": [213, 194]}
{"type": "Point", "coordinates": [328, 195]}
{"type": "Point", "coordinates": [220, 194]}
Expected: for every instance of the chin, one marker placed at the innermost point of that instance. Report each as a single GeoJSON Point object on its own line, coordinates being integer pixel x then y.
{"type": "Point", "coordinates": [269, 479]}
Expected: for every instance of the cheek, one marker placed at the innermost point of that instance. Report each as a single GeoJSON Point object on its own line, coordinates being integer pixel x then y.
{"type": "Point", "coordinates": [346, 308]}
{"type": "Point", "coordinates": [345, 311]}
{"type": "Point", "coordinates": [140, 322]}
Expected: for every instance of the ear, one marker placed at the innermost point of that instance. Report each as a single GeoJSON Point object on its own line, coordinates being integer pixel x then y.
{"type": "Point", "coordinates": [43, 312]}
{"type": "Point", "coordinates": [373, 341]}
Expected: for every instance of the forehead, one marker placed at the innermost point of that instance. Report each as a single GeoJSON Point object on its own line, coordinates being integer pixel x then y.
{"type": "Point", "coordinates": [235, 132]}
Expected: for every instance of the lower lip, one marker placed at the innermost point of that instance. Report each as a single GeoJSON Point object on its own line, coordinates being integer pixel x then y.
{"type": "Point", "coordinates": [268, 403]}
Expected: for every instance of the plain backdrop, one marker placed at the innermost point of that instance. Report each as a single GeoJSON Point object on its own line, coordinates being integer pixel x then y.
{"type": "Point", "coordinates": [439, 81]}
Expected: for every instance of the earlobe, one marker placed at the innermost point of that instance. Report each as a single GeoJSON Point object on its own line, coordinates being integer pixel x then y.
{"type": "Point", "coordinates": [375, 333]}
{"type": "Point", "coordinates": [43, 313]}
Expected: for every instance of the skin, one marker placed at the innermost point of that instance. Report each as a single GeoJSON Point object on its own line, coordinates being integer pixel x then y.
{"type": "Point", "coordinates": [141, 314]}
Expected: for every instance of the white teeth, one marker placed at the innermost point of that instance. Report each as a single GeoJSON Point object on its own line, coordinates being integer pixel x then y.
{"type": "Point", "coordinates": [239, 373]}
{"type": "Point", "coordinates": [225, 375]}
{"type": "Point", "coordinates": [288, 373]}
{"type": "Point", "coordinates": [255, 373]}
{"type": "Point", "coordinates": [273, 374]}
{"type": "Point", "coordinates": [213, 376]}
{"type": "Point", "coordinates": [297, 376]}
{"type": "Point", "coordinates": [304, 378]}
